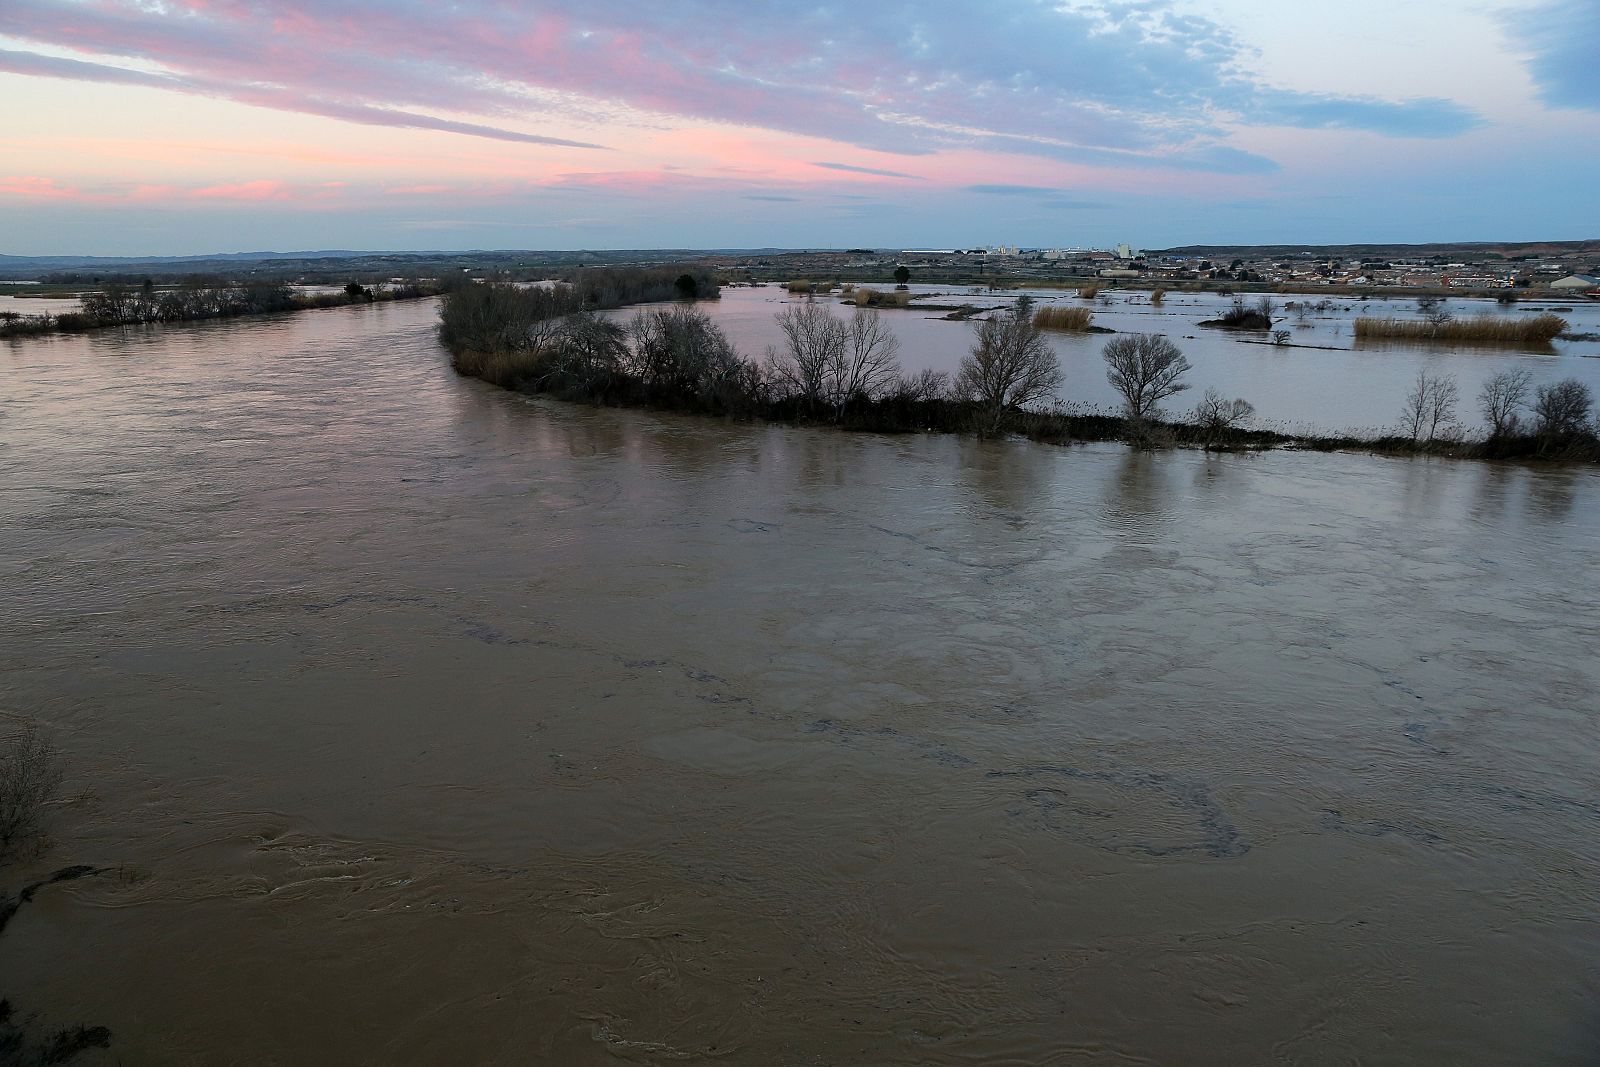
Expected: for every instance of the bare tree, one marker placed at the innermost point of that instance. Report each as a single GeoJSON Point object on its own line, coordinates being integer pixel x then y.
{"type": "Point", "coordinates": [1145, 368]}
{"type": "Point", "coordinates": [1563, 408]}
{"type": "Point", "coordinates": [681, 351]}
{"type": "Point", "coordinates": [591, 348]}
{"type": "Point", "coordinates": [814, 344]}
{"type": "Point", "coordinates": [1499, 400]}
{"type": "Point", "coordinates": [923, 386]}
{"type": "Point", "coordinates": [1430, 404]}
{"type": "Point", "coordinates": [1218, 416]}
{"type": "Point", "coordinates": [1010, 365]}
{"type": "Point", "coordinates": [30, 774]}
{"type": "Point", "coordinates": [1442, 405]}
{"type": "Point", "coordinates": [867, 364]}
{"type": "Point", "coordinates": [1432, 310]}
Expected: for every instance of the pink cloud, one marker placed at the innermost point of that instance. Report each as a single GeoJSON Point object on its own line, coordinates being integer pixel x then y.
{"type": "Point", "coordinates": [264, 189]}
{"type": "Point", "coordinates": [29, 188]}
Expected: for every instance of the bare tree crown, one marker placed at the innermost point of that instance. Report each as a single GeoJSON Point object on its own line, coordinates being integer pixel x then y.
{"type": "Point", "coordinates": [1145, 368]}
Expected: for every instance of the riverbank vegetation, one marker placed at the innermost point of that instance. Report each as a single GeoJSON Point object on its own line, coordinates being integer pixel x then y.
{"type": "Point", "coordinates": [846, 372]}
{"type": "Point", "coordinates": [1478, 329]}
{"type": "Point", "coordinates": [146, 304]}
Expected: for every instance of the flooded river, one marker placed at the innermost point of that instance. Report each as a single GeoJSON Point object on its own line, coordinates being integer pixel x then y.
{"type": "Point", "coordinates": [413, 721]}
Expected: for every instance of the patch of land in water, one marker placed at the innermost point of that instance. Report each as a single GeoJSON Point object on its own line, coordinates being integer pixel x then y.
{"type": "Point", "coordinates": [544, 343]}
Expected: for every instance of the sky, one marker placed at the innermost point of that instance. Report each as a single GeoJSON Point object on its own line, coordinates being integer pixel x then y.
{"type": "Point", "coordinates": [169, 127]}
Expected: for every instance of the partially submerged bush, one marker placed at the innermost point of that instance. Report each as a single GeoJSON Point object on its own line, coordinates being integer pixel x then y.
{"type": "Point", "coordinates": [30, 775]}
{"type": "Point", "coordinates": [1088, 292]}
{"type": "Point", "coordinates": [1242, 316]}
{"type": "Point", "coordinates": [1562, 409]}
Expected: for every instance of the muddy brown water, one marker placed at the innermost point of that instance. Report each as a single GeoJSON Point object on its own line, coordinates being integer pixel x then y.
{"type": "Point", "coordinates": [416, 722]}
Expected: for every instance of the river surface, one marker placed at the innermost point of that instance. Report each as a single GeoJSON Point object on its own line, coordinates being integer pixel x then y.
{"type": "Point", "coordinates": [1325, 382]}
{"type": "Point", "coordinates": [414, 721]}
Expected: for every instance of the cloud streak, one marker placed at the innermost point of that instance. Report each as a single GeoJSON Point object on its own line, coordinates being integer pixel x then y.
{"type": "Point", "coordinates": [1130, 83]}
{"type": "Point", "coordinates": [849, 168]}
{"type": "Point", "coordinates": [1562, 42]}
{"type": "Point", "coordinates": [30, 63]}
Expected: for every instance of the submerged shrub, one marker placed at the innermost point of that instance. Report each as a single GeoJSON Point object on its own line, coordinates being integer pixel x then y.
{"type": "Point", "coordinates": [1242, 316]}
{"type": "Point", "coordinates": [1562, 409]}
{"type": "Point", "coordinates": [30, 775]}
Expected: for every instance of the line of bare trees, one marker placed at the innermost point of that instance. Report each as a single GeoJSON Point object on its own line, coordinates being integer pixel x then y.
{"type": "Point", "coordinates": [545, 339]}
{"type": "Point", "coordinates": [1557, 414]}
{"type": "Point", "coordinates": [826, 363]}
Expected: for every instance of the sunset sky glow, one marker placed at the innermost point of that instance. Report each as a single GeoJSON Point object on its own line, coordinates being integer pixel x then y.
{"type": "Point", "coordinates": [184, 126]}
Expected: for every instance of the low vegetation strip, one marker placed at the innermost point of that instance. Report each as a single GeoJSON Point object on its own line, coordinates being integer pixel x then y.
{"type": "Point", "coordinates": [847, 373]}
{"type": "Point", "coordinates": [1479, 329]}
{"type": "Point", "coordinates": [146, 305]}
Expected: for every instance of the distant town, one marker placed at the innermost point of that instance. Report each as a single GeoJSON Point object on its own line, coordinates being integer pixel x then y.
{"type": "Point", "coordinates": [1566, 268]}
{"type": "Point", "coordinates": [1573, 269]}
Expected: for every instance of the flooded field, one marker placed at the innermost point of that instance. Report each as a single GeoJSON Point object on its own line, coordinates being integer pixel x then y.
{"type": "Point", "coordinates": [1326, 383]}
{"type": "Point", "coordinates": [413, 721]}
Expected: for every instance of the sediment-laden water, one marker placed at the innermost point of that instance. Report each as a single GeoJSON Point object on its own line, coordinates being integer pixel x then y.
{"type": "Point", "coordinates": [413, 721]}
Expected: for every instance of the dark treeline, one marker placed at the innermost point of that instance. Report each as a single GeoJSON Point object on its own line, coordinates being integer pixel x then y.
{"type": "Point", "coordinates": [614, 287]}
{"type": "Point", "coordinates": [847, 373]}
{"type": "Point", "coordinates": [120, 305]}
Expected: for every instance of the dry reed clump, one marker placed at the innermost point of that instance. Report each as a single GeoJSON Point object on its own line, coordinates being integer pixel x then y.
{"type": "Point", "coordinates": [1063, 318]}
{"type": "Point", "coordinates": [802, 287]}
{"type": "Point", "coordinates": [866, 297]}
{"type": "Point", "coordinates": [502, 367]}
{"type": "Point", "coordinates": [1088, 292]}
{"type": "Point", "coordinates": [847, 288]}
{"type": "Point", "coordinates": [1480, 329]}
{"type": "Point", "coordinates": [1157, 296]}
